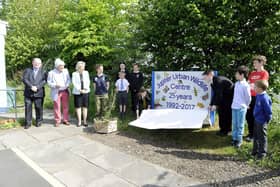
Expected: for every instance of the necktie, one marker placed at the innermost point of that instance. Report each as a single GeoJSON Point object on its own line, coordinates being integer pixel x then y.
{"type": "Point", "coordinates": [144, 103]}
{"type": "Point", "coordinates": [122, 86]}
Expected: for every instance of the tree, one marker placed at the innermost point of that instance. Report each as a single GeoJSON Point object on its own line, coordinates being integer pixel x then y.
{"type": "Point", "coordinates": [210, 34]}
{"type": "Point", "coordinates": [94, 29]}
{"type": "Point", "coordinates": [29, 34]}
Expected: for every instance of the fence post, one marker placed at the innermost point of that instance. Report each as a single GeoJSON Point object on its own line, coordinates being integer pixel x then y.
{"type": "Point", "coordinates": [15, 92]}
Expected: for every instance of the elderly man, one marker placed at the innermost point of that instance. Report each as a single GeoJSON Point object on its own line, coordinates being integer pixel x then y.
{"type": "Point", "coordinates": [34, 80]}
{"type": "Point", "coordinates": [59, 81]}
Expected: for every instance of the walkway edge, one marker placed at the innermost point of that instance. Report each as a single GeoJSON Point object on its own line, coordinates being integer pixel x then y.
{"type": "Point", "coordinates": [49, 178]}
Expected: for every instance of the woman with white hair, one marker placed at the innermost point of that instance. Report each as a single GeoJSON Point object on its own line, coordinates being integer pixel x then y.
{"type": "Point", "coordinates": [81, 83]}
{"type": "Point", "coordinates": [59, 81]}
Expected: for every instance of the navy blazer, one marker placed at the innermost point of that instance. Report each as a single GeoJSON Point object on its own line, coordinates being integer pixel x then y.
{"type": "Point", "coordinates": [223, 91]}
{"type": "Point", "coordinates": [39, 81]}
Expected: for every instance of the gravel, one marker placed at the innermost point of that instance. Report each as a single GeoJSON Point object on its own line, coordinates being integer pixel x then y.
{"type": "Point", "coordinates": [210, 169]}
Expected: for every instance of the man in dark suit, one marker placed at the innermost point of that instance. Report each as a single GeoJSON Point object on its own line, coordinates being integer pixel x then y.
{"type": "Point", "coordinates": [34, 80]}
{"type": "Point", "coordinates": [221, 100]}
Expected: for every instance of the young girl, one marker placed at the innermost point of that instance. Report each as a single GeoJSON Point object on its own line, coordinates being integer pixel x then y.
{"type": "Point", "coordinates": [240, 104]}
{"type": "Point", "coordinates": [143, 102]}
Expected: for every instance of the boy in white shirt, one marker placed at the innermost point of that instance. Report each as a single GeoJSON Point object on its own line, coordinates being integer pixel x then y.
{"type": "Point", "coordinates": [240, 104]}
{"type": "Point", "coordinates": [122, 87]}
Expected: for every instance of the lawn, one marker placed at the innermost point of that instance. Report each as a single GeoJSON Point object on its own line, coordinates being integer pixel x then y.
{"type": "Point", "coordinates": [203, 140]}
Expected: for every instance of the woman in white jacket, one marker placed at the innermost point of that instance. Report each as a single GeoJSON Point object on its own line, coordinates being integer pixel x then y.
{"type": "Point", "coordinates": [81, 83]}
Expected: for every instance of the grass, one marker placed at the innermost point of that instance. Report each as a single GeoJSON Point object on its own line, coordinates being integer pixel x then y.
{"type": "Point", "coordinates": [206, 141]}
{"type": "Point", "coordinates": [9, 124]}
{"type": "Point", "coordinates": [202, 141]}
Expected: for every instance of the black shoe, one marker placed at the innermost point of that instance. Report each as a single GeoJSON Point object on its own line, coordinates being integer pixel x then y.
{"type": "Point", "coordinates": [237, 144]}
{"type": "Point", "coordinates": [27, 126]}
{"type": "Point", "coordinates": [85, 124]}
{"type": "Point", "coordinates": [261, 156]}
{"type": "Point", "coordinates": [254, 154]}
{"type": "Point", "coordinates": [220, 133]}
{"type": "Point", "coordinates": [249, 138]}
{"type": "Point", "coordinates": [233, 142]}
{"type": "Point", "coordinates": [38, 124]}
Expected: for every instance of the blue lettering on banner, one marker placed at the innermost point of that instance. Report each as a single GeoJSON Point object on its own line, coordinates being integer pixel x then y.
{"type": "Point", "coordinates": [163, 82]}
{"type": "Point", "coordinates": [180, 86]}
{"type": "Point", "coordinates": [180, 106]}
{"type": "Point", "coordinates": [200, 83]}
{"type": "Point", "coordinates": [179, 97]}
{"type": "Point", "coordinates": [180, 76]}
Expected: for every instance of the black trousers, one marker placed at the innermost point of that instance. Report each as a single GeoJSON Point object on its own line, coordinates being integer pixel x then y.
{"type": "Point", "coordinates": [38, 102]}
{"type": "Point", "coordinates": [134, 99]}
{"type": "Point", "coordinates": [260, 139]}
{"type": "Point", "coordinates": [225, 118]}
{"type": "Point", "coordinates": [250, 117]}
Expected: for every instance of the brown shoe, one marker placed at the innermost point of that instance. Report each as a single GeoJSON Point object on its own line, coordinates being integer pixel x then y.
{"type": "Point", "coordinates": [66, 123]}
{"type": "Point", "coordinates": [56, 124]}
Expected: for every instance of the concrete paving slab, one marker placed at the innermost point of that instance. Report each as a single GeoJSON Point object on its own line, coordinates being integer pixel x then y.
{"type": "Point", "coordinates": [2, 146]}
{"type": "Point", "coordinates": [47, 136]}
{"type": "Point", "coordinates": [109, 181]}
{"type": "Point", "coordinates": [75, 160]}
{"type": "Point", "coordinates": [34, 129]}
{"type": "Point", "coordinates": [16, 173]}
{"type": "Point", "coordinates": [80, 173]}
{"type": "Point", "coordinates": [170, 178]}
{"type": "Point", "coordinates": [91, 151]}
{"type": "Point", "coordinates": [51, 157]}
{"type": "Point", "coordinates": [113, 160]}
{"type": "Point", "coordinates": [18, 139]}
{"type": "Point", "coordinates": [141, 173]}
{"type": "Point", "coordinates": [73, 142]}
{"type": "Point", "coordinates": [69, 130]}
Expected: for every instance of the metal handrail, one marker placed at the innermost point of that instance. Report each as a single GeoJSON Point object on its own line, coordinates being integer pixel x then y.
{"type": "Point", "coordinates": [14, 103]}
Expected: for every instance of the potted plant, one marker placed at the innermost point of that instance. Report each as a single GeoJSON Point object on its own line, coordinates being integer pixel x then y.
{"type": "Point", "coordinates": [107, 124]}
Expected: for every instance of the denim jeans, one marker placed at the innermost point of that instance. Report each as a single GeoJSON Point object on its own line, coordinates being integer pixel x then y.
{"type": "Point", "coordinates": [238, 120]}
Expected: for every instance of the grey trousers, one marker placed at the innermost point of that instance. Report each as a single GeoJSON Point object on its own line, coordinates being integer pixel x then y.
{"type": "Point", "coordinates": [260, 139]}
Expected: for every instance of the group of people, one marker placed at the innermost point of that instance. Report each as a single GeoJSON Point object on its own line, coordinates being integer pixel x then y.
{"type": "Point", "coordinates": [245, 100]}
{"type": "Point", "coordinates": [59, 81]}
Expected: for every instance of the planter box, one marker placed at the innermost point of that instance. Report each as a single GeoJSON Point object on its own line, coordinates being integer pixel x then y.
{"type": "Point", "coordinates": [105, 126]}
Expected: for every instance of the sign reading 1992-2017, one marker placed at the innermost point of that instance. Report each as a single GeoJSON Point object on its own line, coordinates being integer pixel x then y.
{"type": "Point", "coordinates": [184, 90]}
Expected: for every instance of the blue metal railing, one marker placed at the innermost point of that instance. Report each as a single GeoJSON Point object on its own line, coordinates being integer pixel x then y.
{"type": "Point", "coordinates": [12, 99]}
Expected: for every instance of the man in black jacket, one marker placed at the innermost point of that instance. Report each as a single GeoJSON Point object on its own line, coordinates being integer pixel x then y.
{"type": "Point", "coordinates": [135, 83]}
{"type": "Point", "coordinates": [34, 80]}
{"type": "Point", "coordinates": [221, 100]}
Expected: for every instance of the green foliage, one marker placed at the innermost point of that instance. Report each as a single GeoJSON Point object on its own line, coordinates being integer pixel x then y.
{"type": "Point", "coordinates": [92, 30]}
{"type": "Point", "coordinates": [95, 29]}
{"type": "Point", "coordinates": [273, 134]}
{"type": "Point", "coordinates": [210, 34]}
{"type": "Point", "coordinates": [29, 34]}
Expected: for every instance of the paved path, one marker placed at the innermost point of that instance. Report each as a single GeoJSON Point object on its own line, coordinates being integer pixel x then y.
{"type": "Point", "coordinates": [63, 156]}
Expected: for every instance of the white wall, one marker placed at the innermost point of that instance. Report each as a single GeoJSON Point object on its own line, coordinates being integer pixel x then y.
{"type": "Point", "coordinates": [3, 95]}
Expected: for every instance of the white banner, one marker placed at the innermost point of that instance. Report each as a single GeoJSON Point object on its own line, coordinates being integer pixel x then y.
{"type": "Point", "coordinates": [183, 98]}
{"type": "Point", "coordinates": [170, 119]}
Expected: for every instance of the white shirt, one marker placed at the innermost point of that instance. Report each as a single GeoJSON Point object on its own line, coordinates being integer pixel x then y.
{"type": "Point", "coordinates": [122, 84]}
{"type": "Point", "coordinates": [241, 96]}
